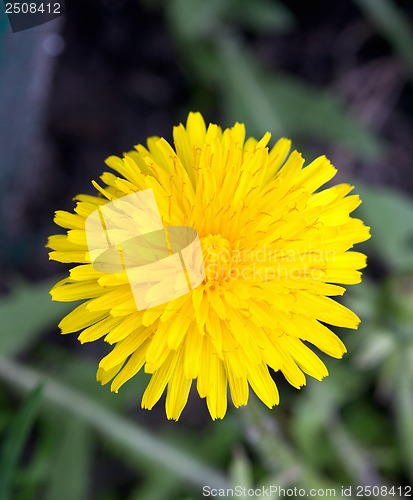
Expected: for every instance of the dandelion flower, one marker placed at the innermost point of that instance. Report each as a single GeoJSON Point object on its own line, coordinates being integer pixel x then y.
{"type": "Point", "coordinates": [274, 249]}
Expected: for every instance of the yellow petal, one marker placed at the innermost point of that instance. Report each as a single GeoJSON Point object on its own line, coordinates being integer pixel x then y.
{"type": "Point", "coordinates": [131, 368]}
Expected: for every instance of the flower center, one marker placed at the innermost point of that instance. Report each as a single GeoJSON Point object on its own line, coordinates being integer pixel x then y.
{"type": "Point", "coordinates": [217, 257]}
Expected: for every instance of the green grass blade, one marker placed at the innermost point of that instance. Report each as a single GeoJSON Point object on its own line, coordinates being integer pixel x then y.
{"type": "Point", "coordinates": [404, 409]}
{"type": "Point", "coordinates": [136, 442]}
{"type": "Point", "coordinates": [284, 105]}
{"type": "Point", "coordinates": [72, 461]}
{"type": "Point", "coordinates": [25, 313]}
{"type": "Point", "coordinates": [394, 24]}
{"type": "Point", "coordinates": [389, 214]}
{"type": "Point", "coordinates": [16, 438]}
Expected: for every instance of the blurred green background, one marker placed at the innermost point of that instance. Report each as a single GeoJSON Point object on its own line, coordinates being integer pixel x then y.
{"type": "Point", "coordinates": [334, 77]}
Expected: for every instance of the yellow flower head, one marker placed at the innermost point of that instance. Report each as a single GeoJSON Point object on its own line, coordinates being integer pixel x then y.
{"type": "Point", "coordinates": [214, 262]}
